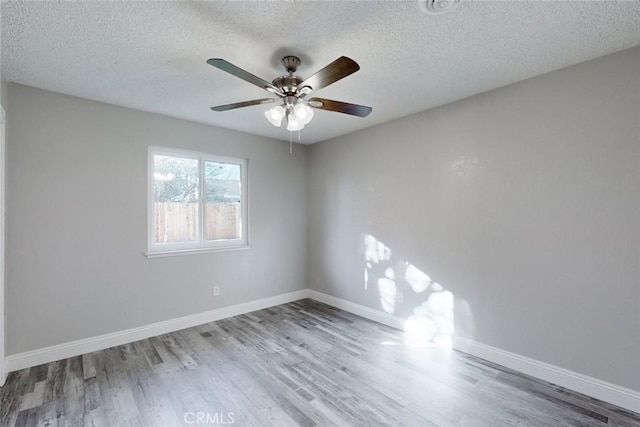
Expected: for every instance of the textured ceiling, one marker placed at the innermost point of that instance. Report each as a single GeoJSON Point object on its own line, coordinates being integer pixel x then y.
{"type": "Point", "coordinates": [151, 55]}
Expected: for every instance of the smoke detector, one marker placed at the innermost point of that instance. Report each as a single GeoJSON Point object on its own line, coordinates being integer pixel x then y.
{"type": "Point", "coordinates": [437, 7]}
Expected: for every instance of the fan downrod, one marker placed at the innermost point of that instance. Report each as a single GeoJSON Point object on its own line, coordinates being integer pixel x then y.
{"type": "Point", "coordinates": [288, 84]}
{"type": "Point", "coordinates": [291, 63]}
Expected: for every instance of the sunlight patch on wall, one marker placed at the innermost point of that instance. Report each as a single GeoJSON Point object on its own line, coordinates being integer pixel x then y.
{"type": "Point", "coordinates": [433, 320]}
{"type": "Point", "coordinates": [388, 294]}
{"type": "Point", "coordinates": [400, 283]}
{"type": "Point", "coordinates": [417, 279]}
{"type": "Point", "coordinates": [375, 253]}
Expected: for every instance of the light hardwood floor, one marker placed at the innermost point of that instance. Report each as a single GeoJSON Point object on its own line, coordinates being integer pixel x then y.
{"type": "Point", "coordinates": [302, 363]}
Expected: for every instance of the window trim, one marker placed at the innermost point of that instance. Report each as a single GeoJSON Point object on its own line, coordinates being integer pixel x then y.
{"type": "Point", "coordinates": [201, 246]}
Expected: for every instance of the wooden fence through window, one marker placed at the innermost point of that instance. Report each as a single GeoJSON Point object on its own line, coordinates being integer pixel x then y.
{"type": "Point", "coordinates": [178, 222]}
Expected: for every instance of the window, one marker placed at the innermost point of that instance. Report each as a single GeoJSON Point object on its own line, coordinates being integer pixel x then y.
{"type": "Point", "coordinates": [197, 202]}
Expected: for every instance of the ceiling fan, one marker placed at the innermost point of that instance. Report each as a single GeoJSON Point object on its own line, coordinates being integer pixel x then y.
{"type": "Point", "coordinates": [291, 91]}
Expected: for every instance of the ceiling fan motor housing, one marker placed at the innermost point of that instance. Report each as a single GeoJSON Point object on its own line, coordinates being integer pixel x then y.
{"type": "Point", "coordinates": [288, 84]}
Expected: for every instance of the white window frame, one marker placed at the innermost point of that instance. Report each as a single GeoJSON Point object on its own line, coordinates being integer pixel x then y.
{"type": "Point", "coordinates": [3, 310]}
{"type": "Point", "coordinates": [169, 249]}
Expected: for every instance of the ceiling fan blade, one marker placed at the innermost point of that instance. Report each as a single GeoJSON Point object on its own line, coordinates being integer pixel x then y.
{"type": "Point", "coordinates": [242, 104]}
{"type": "Point", "coordinates": [340, 107]}
{"type": "Point", "coordinates": [244, 75]}
{"type": "Point", "coordinates": [338, 69]}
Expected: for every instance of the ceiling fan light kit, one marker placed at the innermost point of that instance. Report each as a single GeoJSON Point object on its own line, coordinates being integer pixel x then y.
{"type": "Point", "coordinates": [275, 115]}
{"type": "Point", "coordinates": [292, 90]}
{"type": "Point", "coordinates": [296, 110]}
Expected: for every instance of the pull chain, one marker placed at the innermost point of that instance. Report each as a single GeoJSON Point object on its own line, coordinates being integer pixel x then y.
{"type": "Point", "coordinates": [291, 141]}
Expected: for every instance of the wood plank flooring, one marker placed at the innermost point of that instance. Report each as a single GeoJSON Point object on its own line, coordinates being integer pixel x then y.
{"type": "Point", "coordinates": [302, 363]}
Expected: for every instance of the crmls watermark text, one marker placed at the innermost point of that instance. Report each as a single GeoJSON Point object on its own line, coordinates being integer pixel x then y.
{"type": "Point", "coordinates": [220, 418]}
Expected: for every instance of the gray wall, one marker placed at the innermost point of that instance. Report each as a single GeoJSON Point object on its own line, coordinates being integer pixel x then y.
{"type": "Point", "coordinates": [3, 94]}
{"type": "Point", "coordinates": [523, 202]}
{"type": "Point", "coordinates": [77, 221]}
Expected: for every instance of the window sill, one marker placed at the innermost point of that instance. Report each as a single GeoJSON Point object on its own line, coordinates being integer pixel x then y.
{"type": "Point", "coordinates": [178, 252]}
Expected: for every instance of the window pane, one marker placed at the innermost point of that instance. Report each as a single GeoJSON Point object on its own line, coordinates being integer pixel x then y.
{"type": "Point", "coordinates": [223, 213]}
{"type": "Point", "coordinates": [175, 199]}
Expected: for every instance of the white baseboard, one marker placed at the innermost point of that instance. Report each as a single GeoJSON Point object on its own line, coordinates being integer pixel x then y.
{"type": "Point", "coordinates": [76, 348]}
{"type": "Point", "coordinates": [607, 392]}
{"type": "Point", "coordinates": [602, 390]}
{"type": "Point", "coordinates": [360, 310]}
{"type": "Point", "coordinates": [620, 396]}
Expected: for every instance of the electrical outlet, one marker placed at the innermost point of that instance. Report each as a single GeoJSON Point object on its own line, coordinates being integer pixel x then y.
{"type": "Point", "coordinates": [216, 291]}
{"type": "Point", "coordinates": [399, 297]}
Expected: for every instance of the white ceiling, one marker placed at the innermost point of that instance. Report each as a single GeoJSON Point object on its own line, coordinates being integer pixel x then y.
{"type": "Point", "coordinates": [151, 55]}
